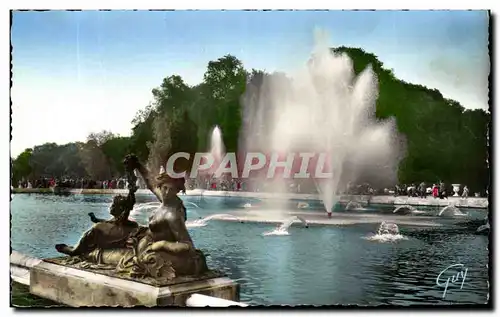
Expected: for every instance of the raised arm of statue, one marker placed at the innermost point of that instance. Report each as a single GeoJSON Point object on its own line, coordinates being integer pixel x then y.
{"type": "Point", "coordinates": [148, 179]}
{"type": "Point", "coordinates": [94, 219]}
{"type": "Point", "coordinates": [132, 162]}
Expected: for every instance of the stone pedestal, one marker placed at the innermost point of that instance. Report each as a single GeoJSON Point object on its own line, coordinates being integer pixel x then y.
{"type": "Point", "coordinates": [78, 287]}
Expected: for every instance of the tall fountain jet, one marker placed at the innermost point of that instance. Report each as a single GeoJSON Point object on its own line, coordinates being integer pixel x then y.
{"type": "Point", "coordinates": [217, 148]}
{"type": "Point", "coordinates": [216, 144]}
{"type": "Point", "coordinates": [324, 108]}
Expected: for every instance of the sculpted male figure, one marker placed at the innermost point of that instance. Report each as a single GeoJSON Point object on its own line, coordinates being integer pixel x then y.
{"type": "Point", "coordinates": [107, 234]}
{"type": "Point", "coordinates": [162, 249]}
{"type": "Point", "coordinates": [167, 239]}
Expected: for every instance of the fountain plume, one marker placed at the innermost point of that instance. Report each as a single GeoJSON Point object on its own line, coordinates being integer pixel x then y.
{"type": "Point", "coordinates": [217, 144]}
{"type": "Point", "coordinates": [324, 108]}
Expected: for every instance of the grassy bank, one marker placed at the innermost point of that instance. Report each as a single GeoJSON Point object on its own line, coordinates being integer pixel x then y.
{"type": "Point", "coordinates": [20, 297]}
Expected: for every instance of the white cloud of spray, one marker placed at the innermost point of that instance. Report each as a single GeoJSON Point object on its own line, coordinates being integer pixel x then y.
{"type": "Point", "coordinates": [324, 107]}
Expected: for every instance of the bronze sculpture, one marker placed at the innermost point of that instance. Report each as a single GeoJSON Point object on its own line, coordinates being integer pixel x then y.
{"type": "Point", "coordinates": [162, 250]}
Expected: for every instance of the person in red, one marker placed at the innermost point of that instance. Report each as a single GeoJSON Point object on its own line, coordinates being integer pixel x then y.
{"type": "Point", "coordinates": [238, 185]}
{"type": "Point", "coordinates": [435, 191]}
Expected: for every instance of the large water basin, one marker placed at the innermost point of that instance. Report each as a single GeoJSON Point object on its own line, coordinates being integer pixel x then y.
{"type": "Point", "coordinates": [324, 264]}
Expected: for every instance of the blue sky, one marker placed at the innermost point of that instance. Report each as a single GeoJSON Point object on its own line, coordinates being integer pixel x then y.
{"type": "Point", "coordinates": [81, 72]}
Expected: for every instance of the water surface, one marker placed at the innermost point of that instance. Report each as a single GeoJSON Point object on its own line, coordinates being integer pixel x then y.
{"type": "Point", "coordinates": [319, 265]}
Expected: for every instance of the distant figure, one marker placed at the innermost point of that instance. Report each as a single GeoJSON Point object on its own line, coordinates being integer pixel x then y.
{"type": "Point", "coordinates": [442, 191]}
{"type": "Point", "coordinates": [396, 190]}
{"type": "Point", "coordinates": [435, 191]}
{"type": "Point", "coordinates": [465, 192]}
{"type": "Point", "coordinates": [422, 190]}
{"type": "Point", "coordinates": [410, 190]}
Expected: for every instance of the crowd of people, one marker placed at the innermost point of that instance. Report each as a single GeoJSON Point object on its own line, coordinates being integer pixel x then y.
{"type": "Point", "coordinates": [121, 183]}
{"type": "Point", "coordinates": [213, 183]}
{"type": "Point", "coordinates": [438, 190]}
{"type": "Point", "coordinates": [67, 182]}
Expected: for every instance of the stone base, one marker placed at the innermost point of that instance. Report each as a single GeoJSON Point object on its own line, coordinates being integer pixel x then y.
{"type": "Point", "coordinates": [77, 288]}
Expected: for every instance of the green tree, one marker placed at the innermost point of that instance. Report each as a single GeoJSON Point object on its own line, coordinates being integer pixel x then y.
{"type": "Point", "coordinates": [444, 141]}
{"type": "Point", "coordinates": [160, 146]}
{"type": "Point", "coordinates": [44, 161]}
{"type": "Point", "coordinates": [21, 166]}
{"type": "Point", "coordinates": [93, 159]}
{"type": "Point", "coordinates": [142, 134]}
{"type": "Point", "coordinates": [224, 84]}
{"type": "Point", "coordinates": [69, 160]}
{"type": "Point", "coordinates": [115, 150]}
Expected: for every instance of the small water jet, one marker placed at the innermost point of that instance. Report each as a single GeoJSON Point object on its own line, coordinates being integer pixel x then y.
{"type": "Point", "coordinates": [247, 205]}
{"type": "Point", "coordinates": [352, 205]}
{"type": "Point", "coordinates": [302, 205]}
{"type": "Point", "coordinates": [144, 209]}
{"type": "Point", "coordinates": [484, 229]}
{"type": "Point", "coordinates": [203, 221]}
{"type": "Point", "coordinates": [387, 232]}
{"type": "Point", "coordinates": [141, 208]}
{"type": "Point", "coordinates": [388, 228]}
{"type": "Point", "coordinates": [191, 203]}
{"type": "Point", "coordinates": [282, 229]}
{"type": "Point", "coordinates": [404, 208]}
{"type": "Point", "coordinates": [451, 210]}
{"type": "Point", "coordinates": [408, 209]}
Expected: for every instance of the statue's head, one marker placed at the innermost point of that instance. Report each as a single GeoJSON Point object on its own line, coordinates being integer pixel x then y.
{"type": "Point", "coordinates": [168, 184]}
{"type": "Point", "coordinates": [120, 205]}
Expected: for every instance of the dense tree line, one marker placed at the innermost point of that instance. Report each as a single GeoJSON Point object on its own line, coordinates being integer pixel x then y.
{"type": "Point", "coordinates": [444, 141]}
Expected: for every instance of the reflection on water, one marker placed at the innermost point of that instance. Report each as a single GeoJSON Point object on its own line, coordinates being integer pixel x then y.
{"type": "Point", "coordinates": [319, 265]}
